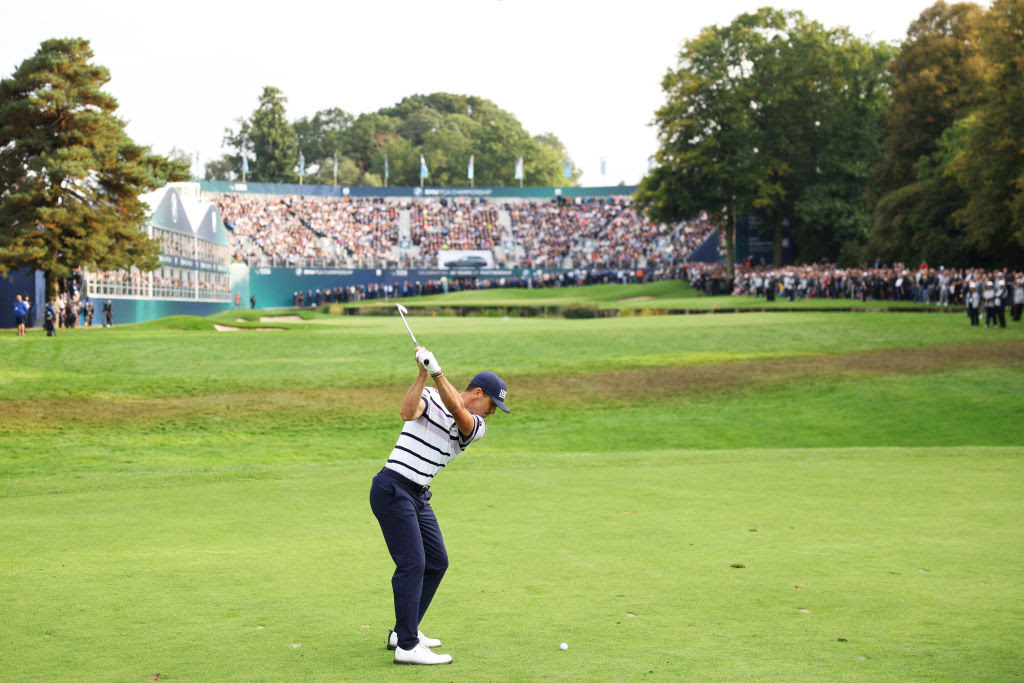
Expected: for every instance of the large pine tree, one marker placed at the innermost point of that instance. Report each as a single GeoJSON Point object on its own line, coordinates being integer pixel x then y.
{"type": "Point", "coordinates": [70, 177]}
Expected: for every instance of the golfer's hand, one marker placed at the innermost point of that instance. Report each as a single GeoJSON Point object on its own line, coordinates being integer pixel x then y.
{"type": "Point", "coordinates": [427, 361]}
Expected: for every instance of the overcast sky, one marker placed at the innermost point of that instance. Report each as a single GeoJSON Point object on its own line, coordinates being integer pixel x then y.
{"type": "Point", "coordinates": [589, 72]}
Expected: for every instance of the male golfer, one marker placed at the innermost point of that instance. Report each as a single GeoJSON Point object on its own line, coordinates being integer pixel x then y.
{"type": "Point", "coordinates": [439, 424]}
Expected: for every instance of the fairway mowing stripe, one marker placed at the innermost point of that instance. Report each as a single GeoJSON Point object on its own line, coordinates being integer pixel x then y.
{"type": "Point", "coordinates": [612, 385]}
{"type": "Point", "coordinates": [745, 374]}
{"type": "Point", "coordinates": [488, 460]}
{"type": "Point", "coordinates": [108, 410]}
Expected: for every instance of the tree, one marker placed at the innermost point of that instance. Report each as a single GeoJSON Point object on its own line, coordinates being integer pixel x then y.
{"type": "Point", "coordinates": [267, 140]}
{"type": "Point", "coordinates": [223, 169]}
{"type": "Point", "coordinates": [843, 93]}
{"type": "Point", "coordinates": [989, 164]}
{"type": "Point", "coordinates": [706, 136]}
{"type": "Point", "coordinates": [180, 156]}
{"type": "Point", "coordinates": [771, 114]}
{"type": "Point", "coordinates": [321, 139]}
{"type": "Point", "coordinates": [937, 74]}
{"type": "Point", "coordinates": [446, 129]}
{"type": "Point", "coordinates": [70, 177]}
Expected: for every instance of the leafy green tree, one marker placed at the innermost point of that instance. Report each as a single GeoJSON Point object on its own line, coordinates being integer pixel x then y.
{"type": "Point", "coordinates": [320, 139]}
{"type": "Point", "coordinates": [936, 236]}
{"type": "Point", "coordinates": [555, 155]}
{"type": "Point", "coordinates": [989, 164]}
{"type": "Point", "coordinates": [938, 76]}
{"type": "Point", "coordinates": [446, 129]}
{"type": "Point", "coordinates": [370, 138]}
{"type": "Point", "coordinates": [70, 177]}
{"type": "Point", "coordinates": [180, 156]}
{"type": "Point", "coordinates": [224, 168]}
{"type": "Point", "coordinates": [771, 114]}
{"type": "Point", "coordinates": [839, 100]}
{"type": "Point", "coordinates": [707, 138]}
{"type": "Point", "coordinates": [274, 143]}
{"type": "Point", "coordinates": [267, 140]}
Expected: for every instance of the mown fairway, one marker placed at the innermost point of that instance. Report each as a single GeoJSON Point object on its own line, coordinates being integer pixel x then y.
{"type": "Point", "coordinates": [193, 504]}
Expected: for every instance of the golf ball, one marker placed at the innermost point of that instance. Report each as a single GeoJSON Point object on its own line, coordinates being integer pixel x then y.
{"type": "Point", "coordinates": [564, 646]}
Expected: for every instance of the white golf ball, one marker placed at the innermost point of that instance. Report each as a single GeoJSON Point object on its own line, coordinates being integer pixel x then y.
{"type": "Point", "coordinates": [564, 646]}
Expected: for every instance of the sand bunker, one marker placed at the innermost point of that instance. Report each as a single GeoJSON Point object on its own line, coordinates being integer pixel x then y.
{"type": "Point", "coordinates": [232, 328]}
{"type": "Point", "coordinates": [280, 319]}
{"type": "Point", "coordinates": [638, 298]}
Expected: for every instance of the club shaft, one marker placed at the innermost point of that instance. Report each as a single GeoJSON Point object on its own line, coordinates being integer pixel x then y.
{"type": "Point", "coordinates": [416, 343]}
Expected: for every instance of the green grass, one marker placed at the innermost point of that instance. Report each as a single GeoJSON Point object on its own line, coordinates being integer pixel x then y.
{"type": "Point", "coordinates": [633, 298]}
{"type": "Point", "coordinates": [193, 504]}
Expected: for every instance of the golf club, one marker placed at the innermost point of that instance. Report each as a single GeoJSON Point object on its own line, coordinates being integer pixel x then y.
{"type": "Point", "coordinates": [402, 310]}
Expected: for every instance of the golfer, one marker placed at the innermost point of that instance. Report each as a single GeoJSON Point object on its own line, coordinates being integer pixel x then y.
{"type": "Point", "coordinates": [439, 424]}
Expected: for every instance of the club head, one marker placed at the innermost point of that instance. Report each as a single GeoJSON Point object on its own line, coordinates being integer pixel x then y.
{"type": "Point", "coordinates": [402, 309]}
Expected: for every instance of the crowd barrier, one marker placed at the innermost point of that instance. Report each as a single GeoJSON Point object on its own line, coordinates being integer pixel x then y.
{"type": "Point", "coordinates": [275, 287]}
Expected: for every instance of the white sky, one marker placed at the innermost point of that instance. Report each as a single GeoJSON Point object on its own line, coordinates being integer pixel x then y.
{"type": "Point", "coordinates": [588, 71]}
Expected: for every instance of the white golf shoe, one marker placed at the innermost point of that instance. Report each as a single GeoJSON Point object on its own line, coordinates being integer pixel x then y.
{"type": "Point", "coordinates": [421, 654]}
{"type": "Point", "coordinates": [429, 642]}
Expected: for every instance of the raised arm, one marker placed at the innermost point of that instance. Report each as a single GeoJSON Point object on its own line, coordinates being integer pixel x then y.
{"type": "Point", "coordinates": [413, 404]}
{"type": "Point", "coordinates": [452, 400]}
{"type": "Point", "coordinates": [450, 396]}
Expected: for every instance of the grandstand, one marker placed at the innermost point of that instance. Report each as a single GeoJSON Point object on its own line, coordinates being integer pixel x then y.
{"type": "Point", "coordinates": [194, 256]}
{"type": "Point", "coordinates": [582, 233]}
{"type": "Point", "coordinates": [194, 275]}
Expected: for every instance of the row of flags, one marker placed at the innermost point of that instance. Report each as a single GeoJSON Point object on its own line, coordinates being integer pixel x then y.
{"type": "Point", "coordinates": [470, 172]}
{"type": "Point", "coordinates": [424, 171]}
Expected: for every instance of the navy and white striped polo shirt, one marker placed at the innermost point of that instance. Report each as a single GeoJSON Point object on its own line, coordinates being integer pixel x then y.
{"type": "Point", "coordinates": [431, 441]}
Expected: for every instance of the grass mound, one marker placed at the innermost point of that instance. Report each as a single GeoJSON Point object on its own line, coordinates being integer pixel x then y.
{"type": "Point", "coordinates": [190, 323]}
{"type": "Point", "coordinates": [667, 296]}
{"type": "Point", "coordinates": [233, 320]}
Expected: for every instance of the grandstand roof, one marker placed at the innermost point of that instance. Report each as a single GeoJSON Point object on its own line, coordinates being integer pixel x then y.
{"type": "Point", "coordinates": [178, 207]}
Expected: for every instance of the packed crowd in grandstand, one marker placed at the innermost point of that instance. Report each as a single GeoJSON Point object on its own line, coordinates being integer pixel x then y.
{"type": "Point", "coordinates": [374, 233]}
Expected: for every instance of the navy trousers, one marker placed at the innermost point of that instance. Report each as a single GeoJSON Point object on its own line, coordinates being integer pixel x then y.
{"type": "Point", "coordinates": [414, 540]}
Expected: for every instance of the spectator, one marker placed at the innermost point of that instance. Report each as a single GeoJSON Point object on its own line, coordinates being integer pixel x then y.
{"type": "Point", "coordinates": [20, 314]}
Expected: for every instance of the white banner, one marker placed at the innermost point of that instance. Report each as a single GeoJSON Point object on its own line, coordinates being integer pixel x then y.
{"type": "Point", "coordinates": [459, 258]}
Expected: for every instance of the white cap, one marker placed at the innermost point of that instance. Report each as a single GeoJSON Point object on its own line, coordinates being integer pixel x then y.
{"type": "Point", "coordinates": [988, 283]}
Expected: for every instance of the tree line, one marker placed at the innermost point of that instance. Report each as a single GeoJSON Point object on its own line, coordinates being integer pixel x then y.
{"type": "Point", "coordinates": [386, 147]}
{"type": "Point", "coordinates": [862, 151]}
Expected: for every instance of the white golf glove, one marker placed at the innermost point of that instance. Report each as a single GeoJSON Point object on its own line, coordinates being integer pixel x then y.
{"type": "Point", "coordinates": [427, 360]}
